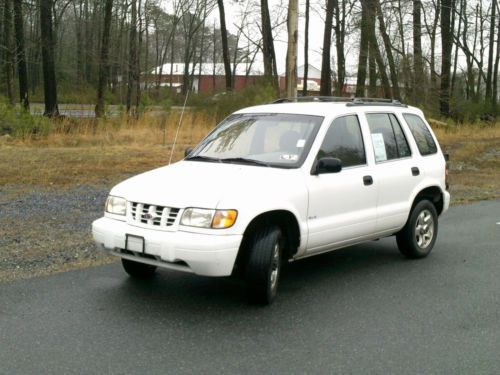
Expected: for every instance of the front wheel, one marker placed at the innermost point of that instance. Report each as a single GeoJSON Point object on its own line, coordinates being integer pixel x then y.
{"type": "Point", "coordinates": [138, 270]}
{"type": "Point", "coordinates": [418, 236]}
{"type": "Point", "coordinates": [264, 264]}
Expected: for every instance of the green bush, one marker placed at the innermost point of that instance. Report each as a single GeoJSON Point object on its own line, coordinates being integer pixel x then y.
{"type": "Point", "coordinates": [21, 124]}
{"type": "Point", "coordinates": [467, 111]}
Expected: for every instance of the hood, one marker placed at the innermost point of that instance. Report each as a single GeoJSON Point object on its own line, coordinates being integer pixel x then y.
{"type": "Point", "coordinates": [204, 184]}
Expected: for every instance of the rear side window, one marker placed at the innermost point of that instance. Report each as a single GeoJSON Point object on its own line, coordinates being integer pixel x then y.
{"type": "Point", "coordinates": [389, 141]}
{"type": "Point", "coordinates": [344, 141]}
{"type": "Point", "coordinates": [421, 133]}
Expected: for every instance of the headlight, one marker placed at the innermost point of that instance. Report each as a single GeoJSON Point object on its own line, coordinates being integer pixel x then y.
{"type": "Point", "coordinates": [116, 205]}
{"type": "Point", "coordinates": [204, 218]}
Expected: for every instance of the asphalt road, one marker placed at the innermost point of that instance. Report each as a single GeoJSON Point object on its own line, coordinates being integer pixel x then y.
{"type": "Point", "coordinates": [362, 310]}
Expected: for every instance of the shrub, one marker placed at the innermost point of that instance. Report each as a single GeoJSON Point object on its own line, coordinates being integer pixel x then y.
{"type": "Point", "coordinates": [21, 124]}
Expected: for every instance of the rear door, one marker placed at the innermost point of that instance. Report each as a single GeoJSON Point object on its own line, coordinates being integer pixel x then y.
{"type": "Point", "coordinates": [396, 171]}
{"type": "Point", "coordinates": [342, 206]}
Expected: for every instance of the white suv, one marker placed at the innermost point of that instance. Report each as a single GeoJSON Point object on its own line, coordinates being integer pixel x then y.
{"type": "Point", "coordinates": [281, 182]}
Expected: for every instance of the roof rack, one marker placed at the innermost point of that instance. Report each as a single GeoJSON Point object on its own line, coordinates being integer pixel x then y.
{"type": "Point", "coordinates": [313, 99]}
{"type": "Point", "coordinates": [375, 102]}
{"type": "Point", "coordinates": [338, 99]}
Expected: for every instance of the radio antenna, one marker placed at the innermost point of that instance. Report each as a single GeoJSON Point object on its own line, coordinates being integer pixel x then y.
{"type": "Point", "coordinates": [178, 128]}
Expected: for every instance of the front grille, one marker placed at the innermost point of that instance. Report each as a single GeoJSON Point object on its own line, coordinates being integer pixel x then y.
{"type": "Point", "coordinates": [150, 214]}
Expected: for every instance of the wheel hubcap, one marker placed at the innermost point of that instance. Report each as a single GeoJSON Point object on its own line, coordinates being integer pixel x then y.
{"type": "Point", "coordinates": [424, 229]}
{"type": "Point", "coordinates": [275, 265]}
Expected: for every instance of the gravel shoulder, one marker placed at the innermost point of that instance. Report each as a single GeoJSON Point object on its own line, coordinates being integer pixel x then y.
{"type": "Point", "coordinates": [44, 232]}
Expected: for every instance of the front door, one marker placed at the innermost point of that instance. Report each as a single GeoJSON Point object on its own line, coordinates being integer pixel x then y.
{"type": "Point", "coordinates": [343, 205]}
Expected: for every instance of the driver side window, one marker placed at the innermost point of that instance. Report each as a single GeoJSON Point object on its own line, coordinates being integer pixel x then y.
{"type": "Point", "coordinates": [343, 141]}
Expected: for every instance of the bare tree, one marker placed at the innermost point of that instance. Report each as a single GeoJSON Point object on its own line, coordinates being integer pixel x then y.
{"type": "Point", "coordinates": [225, 47]}
{"type": "Point", "coordinates": [291, 53]}
{"type": "Point", "coordinates": [7, 43]}
{"type": "Point", "coordinates": [388, 50]}
{"type": "Point", "coordinates": [132, 62]}
{"type": "Point", "coordinates": [363, 49]}
{"type": "Point", "coordinates": [489, 75]}
{"type": "Point", "coordinates": [49, 74]}
{"type": "Point", "coordinates": [21, 55]}
{"type": "Point", "coordinates": [326, 70]}
{"type": "Point", "coordinates": [446, 45]}
{"type": "Point", "coordinates": [495, 69]}
{"type": "Point", "coordinates": [341, 12]}
{"type": "Point", "coordinates": [418, 66]}
{"type": "Point", "coordinates": [103, 64]}
{"type": "Point", "coordinates": [269, 56]}
{"type": "Point", "coordinates": [306, 50]}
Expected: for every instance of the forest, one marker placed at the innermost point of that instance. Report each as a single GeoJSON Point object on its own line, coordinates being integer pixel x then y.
{"type": "Point", "coordinates": [442, 55]}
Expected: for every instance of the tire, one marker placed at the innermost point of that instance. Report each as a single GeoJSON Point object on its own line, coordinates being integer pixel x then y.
{"type": "Point", "coordinates": [264, 263]}
{"type": "Point", "coordinates": [419, 234]}
{"type": "Point", "coordinates": [138, 270]}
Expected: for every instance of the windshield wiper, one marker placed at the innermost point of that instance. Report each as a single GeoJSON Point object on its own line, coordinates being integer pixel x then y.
{"type": "Point", "coordinates": [245, 161]}
{"type": "Point", "coordinates": [203, 158]}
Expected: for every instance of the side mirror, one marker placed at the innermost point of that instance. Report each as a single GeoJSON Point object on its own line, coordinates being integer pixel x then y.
{"type": "Point", "coordinates": [187, 151]}
{"type": "Point", "coordinates": [327, 165]}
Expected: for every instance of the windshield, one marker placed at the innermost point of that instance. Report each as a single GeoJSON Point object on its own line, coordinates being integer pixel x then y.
{"type": "Point", "coordinates": [274, 140]}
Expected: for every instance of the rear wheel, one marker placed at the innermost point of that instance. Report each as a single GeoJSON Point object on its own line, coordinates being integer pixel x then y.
{"type": "Point", "coordinates": [418, 236]}
{"type": "Point", "coordinates": [138, 270]}
{"type": "Point", "coordinates": [264, 264]}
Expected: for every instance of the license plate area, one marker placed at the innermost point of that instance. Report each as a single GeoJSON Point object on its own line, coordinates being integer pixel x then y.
{"type": "Point", "coordinates": [135, 243]}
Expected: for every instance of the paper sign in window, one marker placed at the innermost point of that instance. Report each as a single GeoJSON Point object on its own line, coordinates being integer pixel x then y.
{"type": "Point", "coordinates": [301, 143]}
{"type": "Point", "coordinates": [379, 146]}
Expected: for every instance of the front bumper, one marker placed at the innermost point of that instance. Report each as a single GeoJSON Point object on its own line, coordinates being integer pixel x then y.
{"type": "Point", "coordinates": [202, 254]}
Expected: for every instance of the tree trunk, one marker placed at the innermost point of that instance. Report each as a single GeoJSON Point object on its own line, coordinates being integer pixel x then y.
{"type": "Point", "coordinates": [418, 67]}
{"type": "Point", "coordinates": [49, 74]}
{"type": "Point", "coordinates": [373, 48]}
{"type": "Point", "coordinates": [21, 55]}
{"type": "Point", "coordinates": [437, 11]}
{"type": "Point", "coordinates": [103, 63]}
{"type": "Point", "coordinates": [138, 61]}
{"type": "Point", "coordinates": [88, 43]}
{"type": "Point", "coordinates": [132, 79]}
{"type": "Point", "coordinates": [269, 56]}
{"type": "Point", "coordinates": [339, 44]}
{"type": "Point", "coordinates": [388, 49]}
{"type": "Point", "coordinates": [446, 44]}
{"type": "Point", "coordinates": [455, 59]}
{"type": "Point", "coordinates": [306, 50]}
{"type": "Point", "coordinates": [363, 50]}
{"type": "Point", "coordinates": [225, 46]}
{"type": "Point", "coordinates": [489, 84]}
{"type": "Point", "coordinates": [146, 52]}
{"type": "Point", "coordinates": [7, 43]}
{"type": "Point", "coordinates": [372, 71]}
{"type": "Point", "coordinates": [291, 53]}
{"type": "Point", "coordinates": [495, 73]}
{"type": "Point", "coordinates": [326, 70]}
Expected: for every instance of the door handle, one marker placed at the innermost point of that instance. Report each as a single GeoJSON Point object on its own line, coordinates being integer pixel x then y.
{"type": "Point", "coordinates": [415, 171]}
{"type": "Point", "coordinates": [367, 180]}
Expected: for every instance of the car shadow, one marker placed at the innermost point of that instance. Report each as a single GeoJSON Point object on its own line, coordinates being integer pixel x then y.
{"type": "Point", "coordinates": [302, 281]}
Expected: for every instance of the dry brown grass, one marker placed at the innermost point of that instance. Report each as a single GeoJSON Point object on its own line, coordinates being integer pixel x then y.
{"type": "Point", "coordinates": [474, 161]}
{"type": "Point", "coordinates": [85, 152]}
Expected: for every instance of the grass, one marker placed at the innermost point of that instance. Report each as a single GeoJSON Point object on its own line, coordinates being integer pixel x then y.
{"type": "Point", "coordinates": [105, 152]}
{"type": "Point", "coordinates": [102, 153]}
{"type": "Point", "coordinates": [474, 161]}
